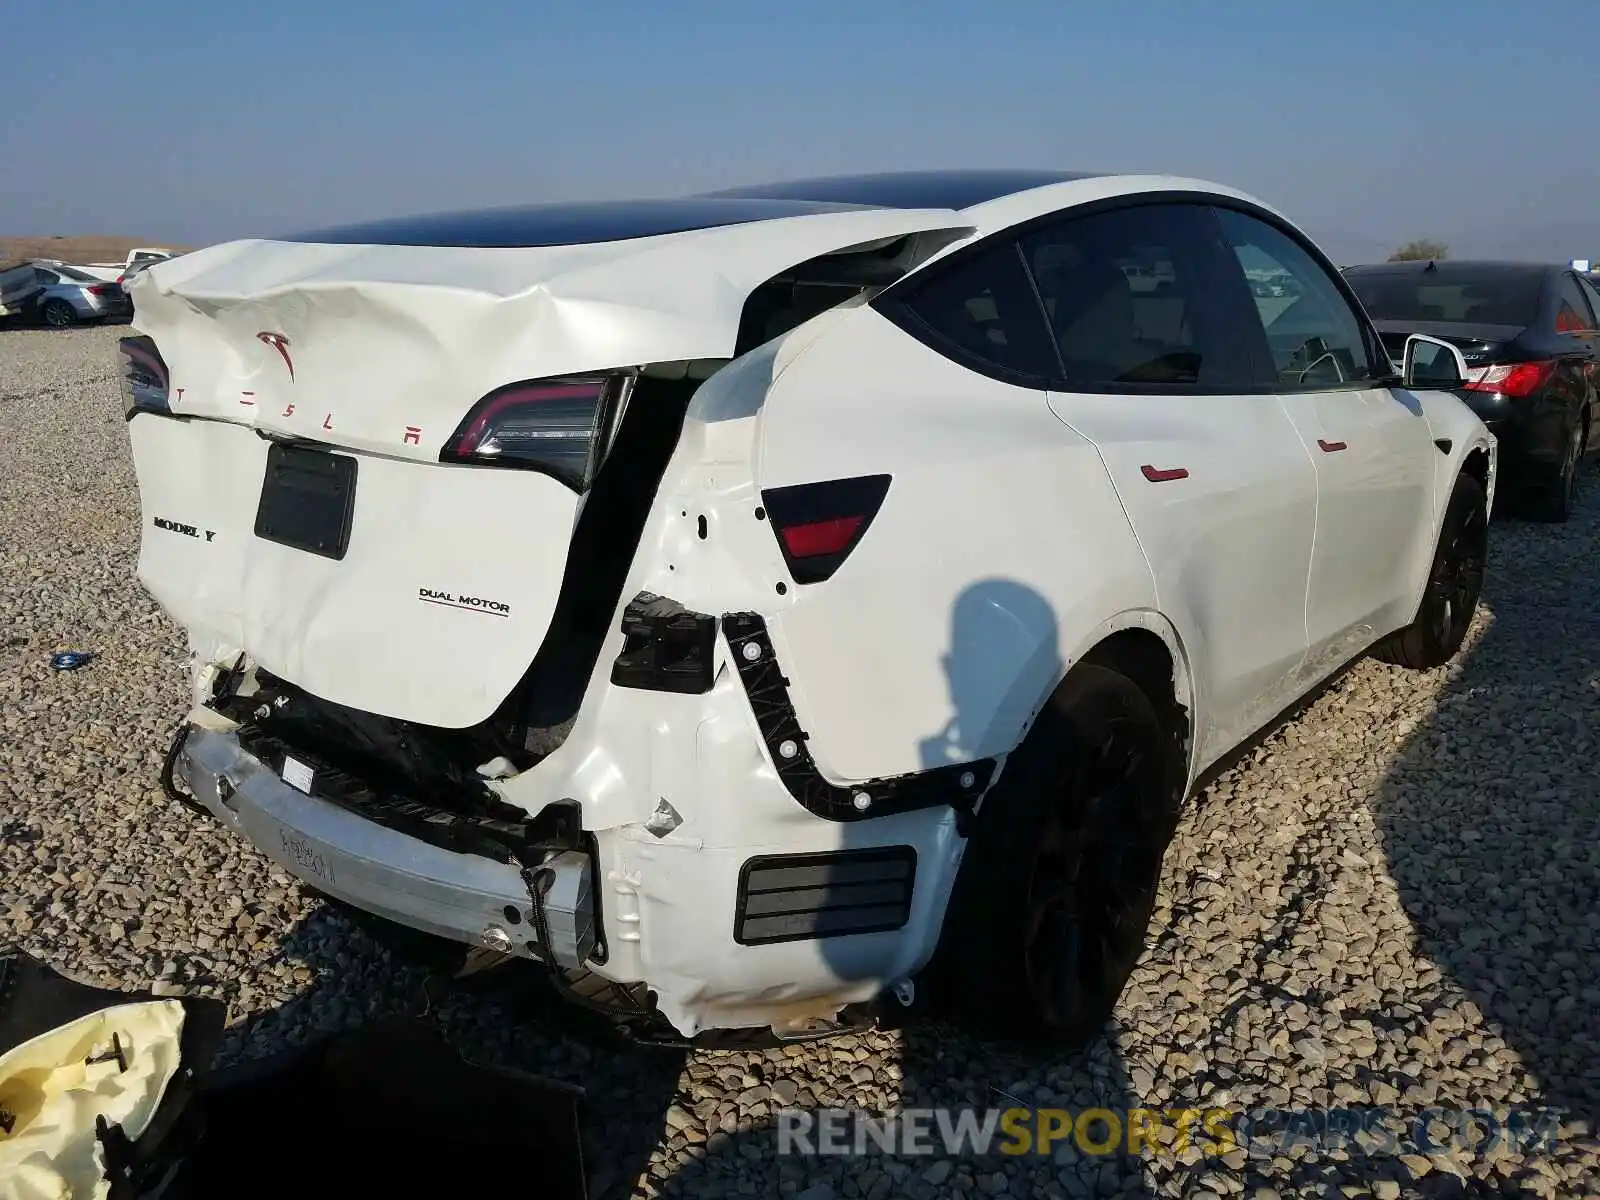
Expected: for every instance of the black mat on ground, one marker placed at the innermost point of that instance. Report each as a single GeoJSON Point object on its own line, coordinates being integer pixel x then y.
{"type": "Point", "coordinates": [390, 1109]}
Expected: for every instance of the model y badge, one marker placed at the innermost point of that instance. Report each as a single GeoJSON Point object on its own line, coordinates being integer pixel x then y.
{"type": "Point", "coordinates": [279, 343]}
{"type": "Point", "coordinates": [181, 527]}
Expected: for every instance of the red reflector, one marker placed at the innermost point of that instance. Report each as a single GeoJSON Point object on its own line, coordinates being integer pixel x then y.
{"type": "Point", "coordinates": [820, 537]}
{"type": "Point", "coordinates": [1512, 379]}
{"type": "Point", "coordinates": [819, 525]}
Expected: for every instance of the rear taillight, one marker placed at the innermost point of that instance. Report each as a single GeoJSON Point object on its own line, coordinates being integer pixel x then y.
{"type": "Point", "coordinates": [1510, 379]}
{"type": "Point", "coordinates": [819, 524]}
{"type": "Point", "coordinates": [144, 376]}
{"type": "Point", "coordinates": [101, 289]}
{"type": "Point", "coordinates": [561, 427]}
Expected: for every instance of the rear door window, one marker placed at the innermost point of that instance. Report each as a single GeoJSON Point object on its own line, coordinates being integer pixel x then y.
{"type": "Point", "coordinates": [979, 309]}
{"type": "Point", "coordinates": [1589, 294]}
{"type": "Point", "coordinates": [1138, 297]}
{"type": "Point", "coordinates": [1572, 309]}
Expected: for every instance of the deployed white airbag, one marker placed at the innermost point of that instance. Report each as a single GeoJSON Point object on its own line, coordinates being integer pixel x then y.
{"type": "Point", "coordinates": [53, 1087]}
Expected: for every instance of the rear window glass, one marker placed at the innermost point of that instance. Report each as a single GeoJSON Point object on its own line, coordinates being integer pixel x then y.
{"type": "Point", "coordinates": [983, 310]}
{"type": "Point", "coordinates": [1572, 311]}
{"type": "Point", "coordinates": [1489, 298]}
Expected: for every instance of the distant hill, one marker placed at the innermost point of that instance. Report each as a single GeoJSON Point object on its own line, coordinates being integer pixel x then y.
{"type": "Point", "coordinates": [90, 248]}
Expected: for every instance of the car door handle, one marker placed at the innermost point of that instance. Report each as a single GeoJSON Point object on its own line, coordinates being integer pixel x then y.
{"type": "Point", "coordinates": [1330, 447]}
{"type": "Point", "coordinates": [1156, 475]}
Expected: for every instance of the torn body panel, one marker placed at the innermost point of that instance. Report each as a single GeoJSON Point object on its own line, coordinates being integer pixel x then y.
{"type": "Point", "coordinates": [634, 905]}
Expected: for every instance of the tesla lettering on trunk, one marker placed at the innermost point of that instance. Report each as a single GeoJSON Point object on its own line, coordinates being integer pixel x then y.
{"type": "Point", "coordinates": [460, 600]}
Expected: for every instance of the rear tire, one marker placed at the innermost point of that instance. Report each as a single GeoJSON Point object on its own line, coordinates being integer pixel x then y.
{"type": "Point", "coordinates": [58, 314]}
{"type": "Point", "coordinates": [1557, 495]}
{"type": "Point", "coordinates": [1455, 581]}
{"type": "Point", "coordinates": [1051, 907]}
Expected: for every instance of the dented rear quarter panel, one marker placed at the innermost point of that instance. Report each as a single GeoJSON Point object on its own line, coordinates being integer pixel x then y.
{"type": "Point", "coordinates": [1000, 549]}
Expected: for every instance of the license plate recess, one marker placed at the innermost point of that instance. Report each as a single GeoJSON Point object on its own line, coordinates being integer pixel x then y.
{"type": "Point", "coordinates": [308, 500]}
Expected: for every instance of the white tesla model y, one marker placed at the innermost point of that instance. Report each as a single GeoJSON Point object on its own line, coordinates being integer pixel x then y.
{"type": "Point", "coordinates": [757, 605]}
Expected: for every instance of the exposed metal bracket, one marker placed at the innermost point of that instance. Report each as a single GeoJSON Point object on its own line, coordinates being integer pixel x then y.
{"type": "Point", "coordinates": [958, 785]}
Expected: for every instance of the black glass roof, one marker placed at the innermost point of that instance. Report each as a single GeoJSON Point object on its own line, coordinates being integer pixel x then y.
{"type": "Point", "coordinates": [564, 224]}
{"type": "Point", "coordinates": [911, 189]}
{"type": "Point", "coordinates": [573, 224]}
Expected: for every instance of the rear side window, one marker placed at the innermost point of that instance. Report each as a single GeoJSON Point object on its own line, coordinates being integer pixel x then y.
{"type": "Point", "coordinates": [1316, 337]}
{"type": "Point", "coordinates": [1590, 295]}
{"type": "Point", "coordinates": [1450, 294]}
{"type": "Point", "coordinates": [1572, 309]}
{"type": "Point", "coordinates": [1133, 299]}
{"type": "Point", "coordinates": [980, 311]}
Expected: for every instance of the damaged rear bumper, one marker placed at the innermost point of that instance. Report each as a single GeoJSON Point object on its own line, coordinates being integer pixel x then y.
{"type": "Point", "coordinates": [776, 899]}
{"type": "Point", "coordinates": [464, 897]}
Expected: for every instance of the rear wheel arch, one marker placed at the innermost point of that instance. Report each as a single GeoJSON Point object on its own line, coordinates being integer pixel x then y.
{"type": "Point", "coordinates": [1145, 647]}
{"type": "Point", "coordinates": [991, 932]}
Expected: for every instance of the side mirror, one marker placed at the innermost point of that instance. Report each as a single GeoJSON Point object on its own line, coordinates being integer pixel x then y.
{"type": "Point", "coordinates": [1432, 363]}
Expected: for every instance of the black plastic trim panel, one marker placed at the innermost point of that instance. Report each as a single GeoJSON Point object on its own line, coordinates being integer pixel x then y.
{"type": "Point", "coordinates": [805, 897]}
{"type": "Point", "coordinates": [668, 648]}
{"type": "Point", "coordinates": [958, 785]}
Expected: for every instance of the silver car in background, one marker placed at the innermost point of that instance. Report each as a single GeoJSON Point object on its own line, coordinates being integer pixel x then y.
{"type": "Point", "coordinates": [71, 296]}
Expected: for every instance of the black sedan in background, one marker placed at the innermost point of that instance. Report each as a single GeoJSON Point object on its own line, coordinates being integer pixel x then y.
{"type": "Point", "coordinates": [1529, 335]}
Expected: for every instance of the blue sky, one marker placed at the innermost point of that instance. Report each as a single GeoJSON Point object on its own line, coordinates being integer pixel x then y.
{"type": "Point", "coordinates": [196, 120]}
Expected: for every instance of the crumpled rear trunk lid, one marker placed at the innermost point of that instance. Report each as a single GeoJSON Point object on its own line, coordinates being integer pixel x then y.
{"type": "Point", "coordinates": [294, 504]}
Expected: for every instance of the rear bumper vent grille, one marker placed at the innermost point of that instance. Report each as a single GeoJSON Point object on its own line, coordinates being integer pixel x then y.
{"type": "Point", "coordinates": [797, 897]}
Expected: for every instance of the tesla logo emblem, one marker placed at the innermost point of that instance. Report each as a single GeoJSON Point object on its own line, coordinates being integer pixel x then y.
{"type": "Point", "coordinates": [279, 343]}
{"type": "Point", "coordinates": [414, 434]}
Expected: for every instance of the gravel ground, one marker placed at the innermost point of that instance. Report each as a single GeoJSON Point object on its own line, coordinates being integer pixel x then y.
{"type": "Point", "coordinates": [1394, 902]}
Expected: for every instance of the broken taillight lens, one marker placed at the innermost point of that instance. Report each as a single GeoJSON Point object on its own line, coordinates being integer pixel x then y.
{"type": "Point", "coordinates": [1511, 379]}
{"type": "Point", "coordinates": [819, 524]}
{"type": "Point", "coordinates": [560, 427]}
{"type": "Point", "coordinates": [144, 376]}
